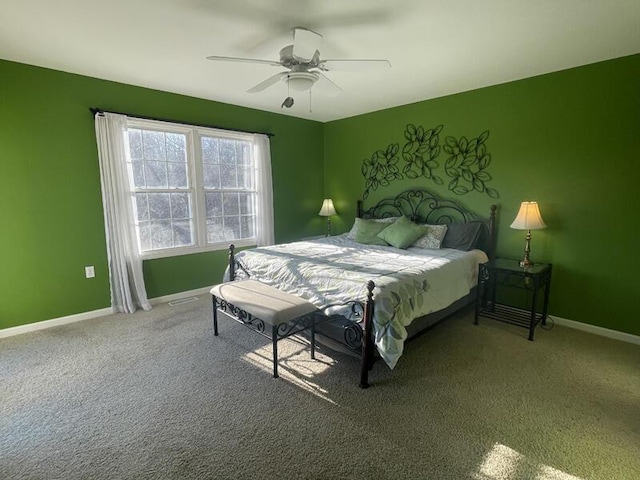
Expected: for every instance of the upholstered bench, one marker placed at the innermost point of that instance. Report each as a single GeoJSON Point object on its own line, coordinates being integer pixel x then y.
{"type": "Point", "coordinates": [256, 305]}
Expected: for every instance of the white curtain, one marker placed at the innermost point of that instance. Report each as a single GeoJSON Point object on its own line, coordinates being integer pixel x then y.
{"type": "Point", "coordinates": [262, 153]}
{"type": "Point", "coordinates": [125, 265]}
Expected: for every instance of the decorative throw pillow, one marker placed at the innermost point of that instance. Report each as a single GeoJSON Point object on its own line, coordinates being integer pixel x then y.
{"type": "Point", "coordinates": [433, 238]}
{"type": "Point", "coordinates": [464, 236]}
{"type": "Point", "coordinates": [352, 233]}
{"type": "Point", "coordinates": [366, 231]}
{"type": "Point", "coordinates": [402, 233]}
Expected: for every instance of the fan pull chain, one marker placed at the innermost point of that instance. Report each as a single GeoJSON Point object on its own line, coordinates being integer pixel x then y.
{"type": "Point", "coordinates": [310, 101]}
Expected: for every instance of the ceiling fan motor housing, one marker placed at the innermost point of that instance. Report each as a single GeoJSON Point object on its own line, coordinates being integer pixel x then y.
{"type": "Point", "coordinates": [287, 59]}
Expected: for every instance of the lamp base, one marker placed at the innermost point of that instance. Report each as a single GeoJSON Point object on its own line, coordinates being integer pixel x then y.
{"type": "Point", "coordinates": [525, 262]}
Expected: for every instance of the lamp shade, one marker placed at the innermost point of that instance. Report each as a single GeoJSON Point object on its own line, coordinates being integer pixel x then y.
{"type": "Point", "coordinates": [529, 217]}
{"type": "Point", "coordinates": [327, 208]}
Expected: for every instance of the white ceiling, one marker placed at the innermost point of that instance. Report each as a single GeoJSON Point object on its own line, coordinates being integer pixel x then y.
{"type": "Point", "coordinates": [436, 47]}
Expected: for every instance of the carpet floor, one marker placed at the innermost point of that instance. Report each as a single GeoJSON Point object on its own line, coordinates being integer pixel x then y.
{"type": "Point", "coordinates": [155, 395]}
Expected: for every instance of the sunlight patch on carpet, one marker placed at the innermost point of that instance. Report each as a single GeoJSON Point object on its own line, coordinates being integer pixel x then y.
{"type": "Point", "coordinates": [504, 463]}
{"type": "Point", "coordinates": [294, 367]}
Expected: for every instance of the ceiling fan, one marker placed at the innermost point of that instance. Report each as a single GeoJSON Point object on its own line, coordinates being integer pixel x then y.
{"type": "Point", "coordinates": [305, 67]}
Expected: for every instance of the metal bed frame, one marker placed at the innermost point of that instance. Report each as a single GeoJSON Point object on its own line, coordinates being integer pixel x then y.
{"type": "Point", "coordinates": [421, 206]}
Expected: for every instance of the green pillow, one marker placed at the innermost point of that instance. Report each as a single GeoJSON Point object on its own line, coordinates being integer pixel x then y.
{"type": "Point", "coordinates": [402, 233]}
{"type": "Point", "coordinates": [366, 231]}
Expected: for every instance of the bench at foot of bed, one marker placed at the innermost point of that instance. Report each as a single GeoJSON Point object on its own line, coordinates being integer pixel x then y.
{"type": "Point", "coordinates": [257, 305]}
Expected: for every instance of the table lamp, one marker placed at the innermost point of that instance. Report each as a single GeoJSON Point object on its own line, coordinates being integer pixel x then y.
{"type": "Point", "coordinates": [326, 211]}
{"type": "Point", "coordinates": [528, 219]}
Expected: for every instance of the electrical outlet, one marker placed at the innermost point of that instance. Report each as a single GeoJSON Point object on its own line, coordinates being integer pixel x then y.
{"type": "Point", "coordinates": [89, 271]}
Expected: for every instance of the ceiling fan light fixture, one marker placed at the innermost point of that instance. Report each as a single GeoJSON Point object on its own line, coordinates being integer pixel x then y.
{"type": "Point", "coordinates": [300, 81]}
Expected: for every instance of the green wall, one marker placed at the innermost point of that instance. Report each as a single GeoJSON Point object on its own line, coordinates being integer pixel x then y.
{"type": "Point", "coordinates": [569, 140]}
{"type": "Point", "coordinates": [50, 200]}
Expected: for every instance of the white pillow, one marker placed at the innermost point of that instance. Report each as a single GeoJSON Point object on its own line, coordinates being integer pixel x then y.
{"type": "Point", "coordinates": [433, 237]}
{"type": "Point", "coordinates": [352, 233]}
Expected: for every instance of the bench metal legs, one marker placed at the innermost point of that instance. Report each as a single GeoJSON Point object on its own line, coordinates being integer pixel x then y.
{"type": "Point", "coordinates": [215, 315]}
{"type": "Point", "coordinates": [313, 339]}
{"type": "Point", "coordinates": [274, 339]}
{"type": "Point", "coordinates": [258, 326]}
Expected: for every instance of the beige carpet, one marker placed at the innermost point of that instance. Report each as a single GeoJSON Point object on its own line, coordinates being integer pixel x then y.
{"type": "Point", "coordinates": [156, 396]}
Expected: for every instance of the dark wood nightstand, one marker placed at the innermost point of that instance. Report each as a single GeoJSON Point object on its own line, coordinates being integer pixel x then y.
{"type": "Point", "coordinates": [509, 273]}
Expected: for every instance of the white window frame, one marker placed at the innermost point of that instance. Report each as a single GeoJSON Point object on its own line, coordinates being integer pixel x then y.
{"type": "Point", "coordinates": [196, 186]}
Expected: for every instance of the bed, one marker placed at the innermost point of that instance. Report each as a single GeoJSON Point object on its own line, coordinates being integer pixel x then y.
{"type": "Point", "coordinates": [374, 297]}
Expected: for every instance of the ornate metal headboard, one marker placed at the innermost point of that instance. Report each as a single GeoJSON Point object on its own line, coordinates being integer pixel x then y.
{"type": "Point", "coordinates": [423, 206]}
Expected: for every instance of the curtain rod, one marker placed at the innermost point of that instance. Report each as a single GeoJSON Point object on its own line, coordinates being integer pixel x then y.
{"type": "Point", "coordinates": [95, 110]}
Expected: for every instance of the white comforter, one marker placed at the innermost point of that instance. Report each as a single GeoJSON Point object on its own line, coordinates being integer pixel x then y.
{"type": "Point", "coordinates": [409, 283]}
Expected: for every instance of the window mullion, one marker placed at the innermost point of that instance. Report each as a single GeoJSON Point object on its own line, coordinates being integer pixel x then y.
{"type": "Point", "coordinates": [200, 213]}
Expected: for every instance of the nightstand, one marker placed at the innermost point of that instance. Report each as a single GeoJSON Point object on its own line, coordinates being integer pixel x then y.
{"type": "Point", "coordinates": [502, 272]}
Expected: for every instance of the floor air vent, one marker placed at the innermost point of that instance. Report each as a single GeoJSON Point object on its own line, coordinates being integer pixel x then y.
{"type": "Point", "coordinates": [183, 300]}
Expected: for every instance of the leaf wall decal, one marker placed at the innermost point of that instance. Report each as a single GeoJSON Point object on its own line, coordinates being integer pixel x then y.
{"type": "Point", "coordinates": [465, 165]}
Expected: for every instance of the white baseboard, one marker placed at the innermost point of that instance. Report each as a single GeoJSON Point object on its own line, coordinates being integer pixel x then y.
{"type": "Point", "coordinates": [54, 322]}
{"type": "Point", "coordinates": [32, 327]}
{"type": "Point", "coordinates": [604, 332]}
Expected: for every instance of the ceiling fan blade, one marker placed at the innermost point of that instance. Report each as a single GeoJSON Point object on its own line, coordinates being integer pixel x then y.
{"type": "Point", "coordinates": [244, 60]}
{"type": "Point", "coordinates": [267, 83]}
{"type": "Point", "coordinates": [325, 85]}
{"type": "Point", "coordinates": [305, 43]}
{"type": "Point", "coordinates": [354, 65]}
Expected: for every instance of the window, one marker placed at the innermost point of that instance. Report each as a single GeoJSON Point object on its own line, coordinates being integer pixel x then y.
{"type": "Point", "coordinates": [193, 189]}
